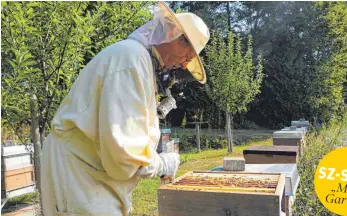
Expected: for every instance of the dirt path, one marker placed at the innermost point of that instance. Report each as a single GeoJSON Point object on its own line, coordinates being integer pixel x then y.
{"type": "Point", "coordinates": [19, 210]}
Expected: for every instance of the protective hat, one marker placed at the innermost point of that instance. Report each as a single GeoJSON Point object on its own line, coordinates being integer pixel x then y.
{"type": "Point", "coordinates": [197, 33]}
{"type": "Point", "coordinates": [167, 26]}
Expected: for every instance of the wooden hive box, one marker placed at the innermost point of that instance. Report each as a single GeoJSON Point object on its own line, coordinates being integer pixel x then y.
{"type": "Point", "coordinates": [17, 170]}
{"type": "Point", "coordinates": [17, 178]}
{"type": "Point", "coordinates": [176, 145]}
{"type": "Point", "coordinates": [301, 123]}
{"type": "Point", "coordinates": [289, 138]}
{"type": "Point", "coordinates": [165, 137]}
{"type": "Point", "coordinates": [271, 154]}
{"type": "Point", "coordinates": [204, 193]}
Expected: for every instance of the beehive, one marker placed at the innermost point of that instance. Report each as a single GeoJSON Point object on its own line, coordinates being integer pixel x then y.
{"type": "Point", "coordinates": [176, 145]}
{"type": "Point", "coordinates": [271, 154]}
{"type": "Point", "coordinates": [204, 193]}
{"type": "Point", "coordinates": [17, 172]}
{"type": "Point", "coordinates": [301, 123]}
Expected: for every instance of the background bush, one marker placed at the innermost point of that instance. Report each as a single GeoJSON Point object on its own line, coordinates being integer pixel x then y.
{"type": "Point", "coordinates": [318, 144]}
{"type": "Point", "coordinates": [188, 141]}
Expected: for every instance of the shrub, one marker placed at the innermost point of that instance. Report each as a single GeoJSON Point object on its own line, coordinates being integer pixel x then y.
{"type": "Point", "coordinates": [318, 144]}
{"type": "Point", "coordinates": [188, 141]}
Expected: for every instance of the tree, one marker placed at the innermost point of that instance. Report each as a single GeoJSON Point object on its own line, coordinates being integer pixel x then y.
{"type": "Point", "coordinates": [332, 79]}
{"type": "Point", "coordinates": [292, 38]}
{"type": "Point", "coordinates": [233, 79]}
{"type": "Point", "coordinates": [45, 45]}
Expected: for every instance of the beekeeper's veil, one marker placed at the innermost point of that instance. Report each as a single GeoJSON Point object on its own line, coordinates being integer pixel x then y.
{"type": "Point", "coordinates": [167, 26]}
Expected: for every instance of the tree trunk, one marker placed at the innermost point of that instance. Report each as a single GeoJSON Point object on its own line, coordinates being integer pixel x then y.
{"type": "Point", "coordinates": [219, 120]}
{"type": "Point", "coordinates": [197, 126]}
{"type": "Point", "coordinates": [229, 15]}
{"type": "Point", "coordinates": [228, 130]}
{"type": "Point", "coordinates": [42, 136]}
{"type": "Point", "coordinates": [209, 124]}
{"type": "Point", "coordinates": [37, 144]}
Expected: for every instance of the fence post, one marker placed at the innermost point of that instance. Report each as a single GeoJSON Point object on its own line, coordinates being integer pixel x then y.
{"type": "Point", "coordinates": [197, 126]}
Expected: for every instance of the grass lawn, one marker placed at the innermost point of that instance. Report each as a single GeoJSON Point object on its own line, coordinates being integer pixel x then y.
{"type": "Point", "coordinates": [145, 194]}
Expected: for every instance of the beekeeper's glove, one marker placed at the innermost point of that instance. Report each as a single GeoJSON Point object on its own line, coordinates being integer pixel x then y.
{"type": "Point", "coordinates": [164, 164]}
{"type": "Point", "coordinates": [171, 161]}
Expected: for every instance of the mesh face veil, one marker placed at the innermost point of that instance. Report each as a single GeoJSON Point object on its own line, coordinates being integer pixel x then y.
{"type": "Point", "coordinates": [166, 27]}
{"type": "Point", "coordinates": [162, 29]}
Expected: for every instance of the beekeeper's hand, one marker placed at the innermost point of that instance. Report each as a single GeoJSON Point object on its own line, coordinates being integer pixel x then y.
{"type": "Point", "coordinates": [171, 161]}
{"type": "Point", "coordinates": [164, 164]}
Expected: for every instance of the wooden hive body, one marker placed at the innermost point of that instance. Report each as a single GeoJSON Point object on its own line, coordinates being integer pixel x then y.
{"type": "Point", "coordinates": [198, 197]}
{"type": "Point", "coordinates": [271, 154]}
{"type": "Point", "coordinates": [17, 171]}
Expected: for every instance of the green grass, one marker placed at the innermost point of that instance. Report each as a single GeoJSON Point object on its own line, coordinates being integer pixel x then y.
{"type": "Point", "coordinates": [145, 194]}
{"type": "Point", "coordinates": [29, 198]}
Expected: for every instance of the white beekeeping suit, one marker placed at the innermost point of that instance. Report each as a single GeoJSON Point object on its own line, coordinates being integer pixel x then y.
{"type": "Point", "coordinates": [105, 132]}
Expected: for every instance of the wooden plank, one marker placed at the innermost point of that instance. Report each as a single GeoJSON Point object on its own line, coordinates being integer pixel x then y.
{"type": "Point", "coordinates": [232, 173]}
{"type": "Point", "coordinates": [270, 159]}
{"type": "Point", "coordinates": [227, 189]}
{"type": "Point", "coordinates": [241, 173]}
{"type": "Point", "coordinates": [29, 168]}
{"type": "Point", "coordinates": [204, 203]}
{"type": "Point", "coordinates": [287, 206]}
{"type": "Point", "coordinates": [280, 184]}
{"type": "Point", "coordinates": [271, 154]}
{"type": "Point", "coordinates": [277, 150]}
{"type": "Point", "coordinates": [184, 175]}
{"type": "Point", "coordinates": [19, 180]}
{"type": "Point", "coordinates": [226, 174]}
{"type": "Point", "coordinates": [287, 141]}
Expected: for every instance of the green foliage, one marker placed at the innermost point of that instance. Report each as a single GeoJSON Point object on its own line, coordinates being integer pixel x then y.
{"type": "Point", "coordinates": [188, 141]}
{"type": "Point", "coordinates": [233, 79]}
{"type": "Point", "coordinates": [292, 36]}
{"type": "Point", "coordinates": [46, 44]}
{"type": "Point", "coordinates": [333, 75]}
{"type": "Point", "coordinates": [184, 122]}
{"type": "Point", "coordinates": [318, 144]}
{"type": "Point", "coordinates": [296, 39]}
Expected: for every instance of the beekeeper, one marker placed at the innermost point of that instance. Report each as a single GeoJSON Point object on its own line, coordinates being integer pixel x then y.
{"type": "Point", "coordinates": [105, 132]}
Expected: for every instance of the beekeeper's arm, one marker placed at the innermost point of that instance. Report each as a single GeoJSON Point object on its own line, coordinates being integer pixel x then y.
{"type": "Point", "coordinates": [125, 118]}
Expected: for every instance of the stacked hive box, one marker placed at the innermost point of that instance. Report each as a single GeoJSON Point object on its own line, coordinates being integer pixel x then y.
{"type": "Point", "coordinates": [271, 154]}
{"type": "Point", "coordinates": [289, 138]}
{"type": "Point", "coordinates": [287, 146]}
{"type": "Point", "coordinates": [17, 171]}
{"type": "Point", "coordinates": [166, 144]}
{"type": "Point", "coordinates": [301, 124]}
{"type": "Point", "coordinates": [176, 145]}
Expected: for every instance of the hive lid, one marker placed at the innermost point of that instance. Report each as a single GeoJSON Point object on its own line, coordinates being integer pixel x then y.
{"type": "Point", "coordinates": [289, 134]}
{"type": "Point", "coordinates": [275, 150]}
{"type": "Point", "coordinates": [303, 129]}
{"type": "Point", "coordinates": [16, 150]}
{"type": "Point", "coordinates": [300, 123]}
